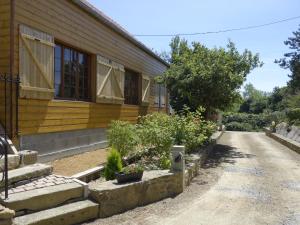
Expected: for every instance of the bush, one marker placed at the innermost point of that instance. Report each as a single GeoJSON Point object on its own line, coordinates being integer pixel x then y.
{"type": "Point", "coordinates": [122, 136]}
{"type": "Point", "coordinates": [155, 133]}
{"type": "Point", "coordinates": [251, 122]}
{"type": "Point", "coordinates": [294, 116]}
{"type": "Point", "coordinates": [237, 126]}
{"type": "Point", "coordinates": [113, 165]}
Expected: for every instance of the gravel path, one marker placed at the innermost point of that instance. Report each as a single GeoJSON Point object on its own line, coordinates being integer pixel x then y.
{"type": "Point", "coordinates": [248, 179]}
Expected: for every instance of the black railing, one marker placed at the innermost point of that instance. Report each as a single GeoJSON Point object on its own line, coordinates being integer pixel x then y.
{"type": "Point", "coordinates": [9, 94]}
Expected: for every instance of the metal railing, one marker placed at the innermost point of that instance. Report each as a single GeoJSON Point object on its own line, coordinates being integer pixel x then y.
{"type": "Point", "coordinates": [9, 94]}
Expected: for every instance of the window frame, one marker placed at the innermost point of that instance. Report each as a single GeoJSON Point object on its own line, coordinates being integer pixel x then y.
{"type": "Point", "coordinates": [77, 75]}
{"type": "Point", "coordinates": [138, 91]}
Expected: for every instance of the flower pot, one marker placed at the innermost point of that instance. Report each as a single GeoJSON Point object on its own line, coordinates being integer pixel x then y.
{"type": "Point", "coordinates": [124, 178]}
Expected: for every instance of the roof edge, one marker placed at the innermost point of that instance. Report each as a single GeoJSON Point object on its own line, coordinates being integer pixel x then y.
{"type": "Point", "coordinates": [88, 7]}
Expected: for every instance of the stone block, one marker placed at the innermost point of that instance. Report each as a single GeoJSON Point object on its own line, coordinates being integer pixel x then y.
{"type": "Point", "coordinates": [28, 157]}
{"type": "Point", "coordinates": [117, 198]}
{"type": "Point", "coordinates": [13, 161]}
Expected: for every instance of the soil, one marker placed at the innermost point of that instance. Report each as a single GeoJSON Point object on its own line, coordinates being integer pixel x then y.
{"type": "Point", "coordinates": [78, 163]}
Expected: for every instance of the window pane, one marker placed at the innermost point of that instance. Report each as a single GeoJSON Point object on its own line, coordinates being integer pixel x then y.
{"type": "Point", "coordinates": [74, 83]}
{"type": "Point", "coordinates": [57, 69]}
{"type": "Point", "coordinates": [131, 90]}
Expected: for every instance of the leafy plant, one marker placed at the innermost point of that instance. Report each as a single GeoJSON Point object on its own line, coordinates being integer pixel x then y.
{"type": "Point", "coordinates": [133, 168]}
{"type": "Point", "coordinates": [294, 116]}
{"type": "Point", "coordinates": [122, 136]}
{"type": "Point", "coordinates": [113, 165]}
{"type": "Point", "coordinates": [237, 126]}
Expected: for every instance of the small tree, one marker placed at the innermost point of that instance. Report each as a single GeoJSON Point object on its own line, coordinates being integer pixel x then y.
{"type": "Point", "coordinates": [113, 165]}
{"type": "Point", "coordinates": [199, 76]}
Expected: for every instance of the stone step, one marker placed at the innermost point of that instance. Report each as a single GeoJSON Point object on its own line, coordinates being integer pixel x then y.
{"type": "Point", "coordinates": [13, 161]}
{"type": "Point", "coordinates": [27, 173]}
{"type": "Point", "coordinates": [73, 213]}
{"type": "Point", "coordinates": [33, 199]}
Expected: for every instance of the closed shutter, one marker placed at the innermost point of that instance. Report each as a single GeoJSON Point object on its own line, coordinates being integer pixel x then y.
{"type": "Point", "coordinates": [145, 90]}
{"type": "Point", "coordinates": [110, 81]}
{"type": "Point", "coordinates": [36, 64]}
{"type": "Point", "coordinates": [157, 94]}
{"type": "Point", "coordinates": [162, 96]}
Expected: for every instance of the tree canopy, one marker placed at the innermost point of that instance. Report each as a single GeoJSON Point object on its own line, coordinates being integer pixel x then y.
{"type": "Point", "coordinates": [199, 76]}
{"type": "Point", "coordinates": [291, 61]}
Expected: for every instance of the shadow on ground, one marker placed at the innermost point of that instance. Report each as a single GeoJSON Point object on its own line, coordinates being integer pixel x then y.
{"type": "Point", "coordinates": [224, 154]}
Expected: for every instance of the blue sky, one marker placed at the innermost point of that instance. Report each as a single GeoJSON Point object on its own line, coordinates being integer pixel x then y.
{"type": "Point", "coordinates": [175, 16]}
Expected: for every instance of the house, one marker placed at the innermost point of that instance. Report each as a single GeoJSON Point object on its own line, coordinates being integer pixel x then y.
{"type": "Point", "coordinates": [78, 70]}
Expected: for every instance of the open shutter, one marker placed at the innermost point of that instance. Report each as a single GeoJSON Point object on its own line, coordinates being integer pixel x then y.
{"type": "Point", "coordinates": [36, 64]}
{"type": "Point", "coordinates": [110, 81]}
{"type": "Point", "coordinates": [145, 89]}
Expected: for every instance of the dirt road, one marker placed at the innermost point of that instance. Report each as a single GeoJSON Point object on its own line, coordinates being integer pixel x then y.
{"type": "Point", "coordinates": [248, 180]}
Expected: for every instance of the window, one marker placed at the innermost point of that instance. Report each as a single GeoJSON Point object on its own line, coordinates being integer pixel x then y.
{"type": "Point", "coordinates": [131, 91]}
{"type": "Point", "coordinates": [160, 96]}
{"type": "Point", "coordinates": [71, 74]}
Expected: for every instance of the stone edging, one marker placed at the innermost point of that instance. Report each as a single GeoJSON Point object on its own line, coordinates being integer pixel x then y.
{"type": "Point", "coordinates": [293, 145]}
{"type": "Point", "coordinates": [195, 161]}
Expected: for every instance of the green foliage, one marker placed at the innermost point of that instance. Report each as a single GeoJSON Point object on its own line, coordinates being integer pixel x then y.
{"type": "Point", "coordinates": [291, 61]}
{"type": "Point", "coordinates": [113, 165]}
{"type": "Point", "coordinates": [199, 76]}
{"type": "Point", "coordinates": [293, 101]}
{"type": "Point", "coordinates": [237, 126]}
{"type": "Point", "coordinates": [155, 133]}
{"type": "Point", "coordinates": [152, 138]}
{"type": "Point", "coordinates": [294, 116]}
{"type": "Point", "coordinates": [255, 101]}
{"type": "Point", "coordinates": [246, 122]}
{"type": "Point", "coordinates": [122, 136]}
{"type": "Point", "coordinates": [191, 129]}
{"type": "Point", "coordinates": [133, 168]}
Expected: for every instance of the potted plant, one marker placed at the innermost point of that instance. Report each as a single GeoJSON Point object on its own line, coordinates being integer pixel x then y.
{"type": "Point", "coordinates": [133, 172]}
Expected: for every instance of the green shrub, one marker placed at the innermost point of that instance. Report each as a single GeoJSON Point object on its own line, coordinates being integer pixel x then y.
{"type": "Point", "coordinates": [155, 133]}
{"type": "Point", "coordinates": [293, 116]}
{"type": "Point", "coordinates": [251, 122]}
{"type": "Point", "coordinates": [113, 165]}
{"type": "Point", "coordinates": [123, 137]}
{"type": "Point", "coordinates": [237, 126]}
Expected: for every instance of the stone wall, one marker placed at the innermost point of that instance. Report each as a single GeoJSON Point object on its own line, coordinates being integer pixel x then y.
{"type": "Point", "coordinates": [291, 132]}
{"type": "Point", "coordinates": [117, 198]}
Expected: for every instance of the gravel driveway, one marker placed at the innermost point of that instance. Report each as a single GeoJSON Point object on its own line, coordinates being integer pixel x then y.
{"type": "Point", "coordinates": [249, 179]}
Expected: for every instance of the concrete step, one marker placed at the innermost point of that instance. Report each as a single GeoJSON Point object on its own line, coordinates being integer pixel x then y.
{"type": "Point", "coordinates": [28, 201]}
{"type": "Point", "coordinates": [73, 213]}
{"type": "Point", "coordinates": [27, 173]}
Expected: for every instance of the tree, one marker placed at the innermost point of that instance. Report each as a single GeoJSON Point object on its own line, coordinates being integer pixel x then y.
{"type": "Point", "coordinates": [277, 100]}
{"type": "Point", "coordinates": [255, 101]}
{"type": "Point", "coordinates": [199, 76]}
{"type": "Point", "coordinates": [291, 61]}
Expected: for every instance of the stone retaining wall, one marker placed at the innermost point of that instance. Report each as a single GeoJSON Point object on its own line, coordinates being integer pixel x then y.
{"type": "Point", "coordinates": [116, 198]}
{"type": "Point", "coordinates": [290, 132]}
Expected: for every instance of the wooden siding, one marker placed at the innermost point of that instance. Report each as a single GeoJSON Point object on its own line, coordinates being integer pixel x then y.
{"type": "Point", "coordinates": [4, 50]}
{"type": "Point", "coordinates": [71, 25]}
{"type": "Point", "coordinates": [42, 116]}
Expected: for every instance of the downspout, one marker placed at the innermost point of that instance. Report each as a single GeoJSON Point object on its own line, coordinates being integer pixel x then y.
{"type": "Point", "coordinates": [12, 61]}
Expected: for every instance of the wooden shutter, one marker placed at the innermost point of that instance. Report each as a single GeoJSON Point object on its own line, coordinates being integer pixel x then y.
{"type": "Point", "coordinates": [157, 94]}
{"type": "Point", "coordinates": [145, 89]}
{"type": "Point", "coordinates": [110, 81]}
{"type": "Point", "coordinates": [36, 64]}
{"type": "Point", "coordinates": [162, 96]}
